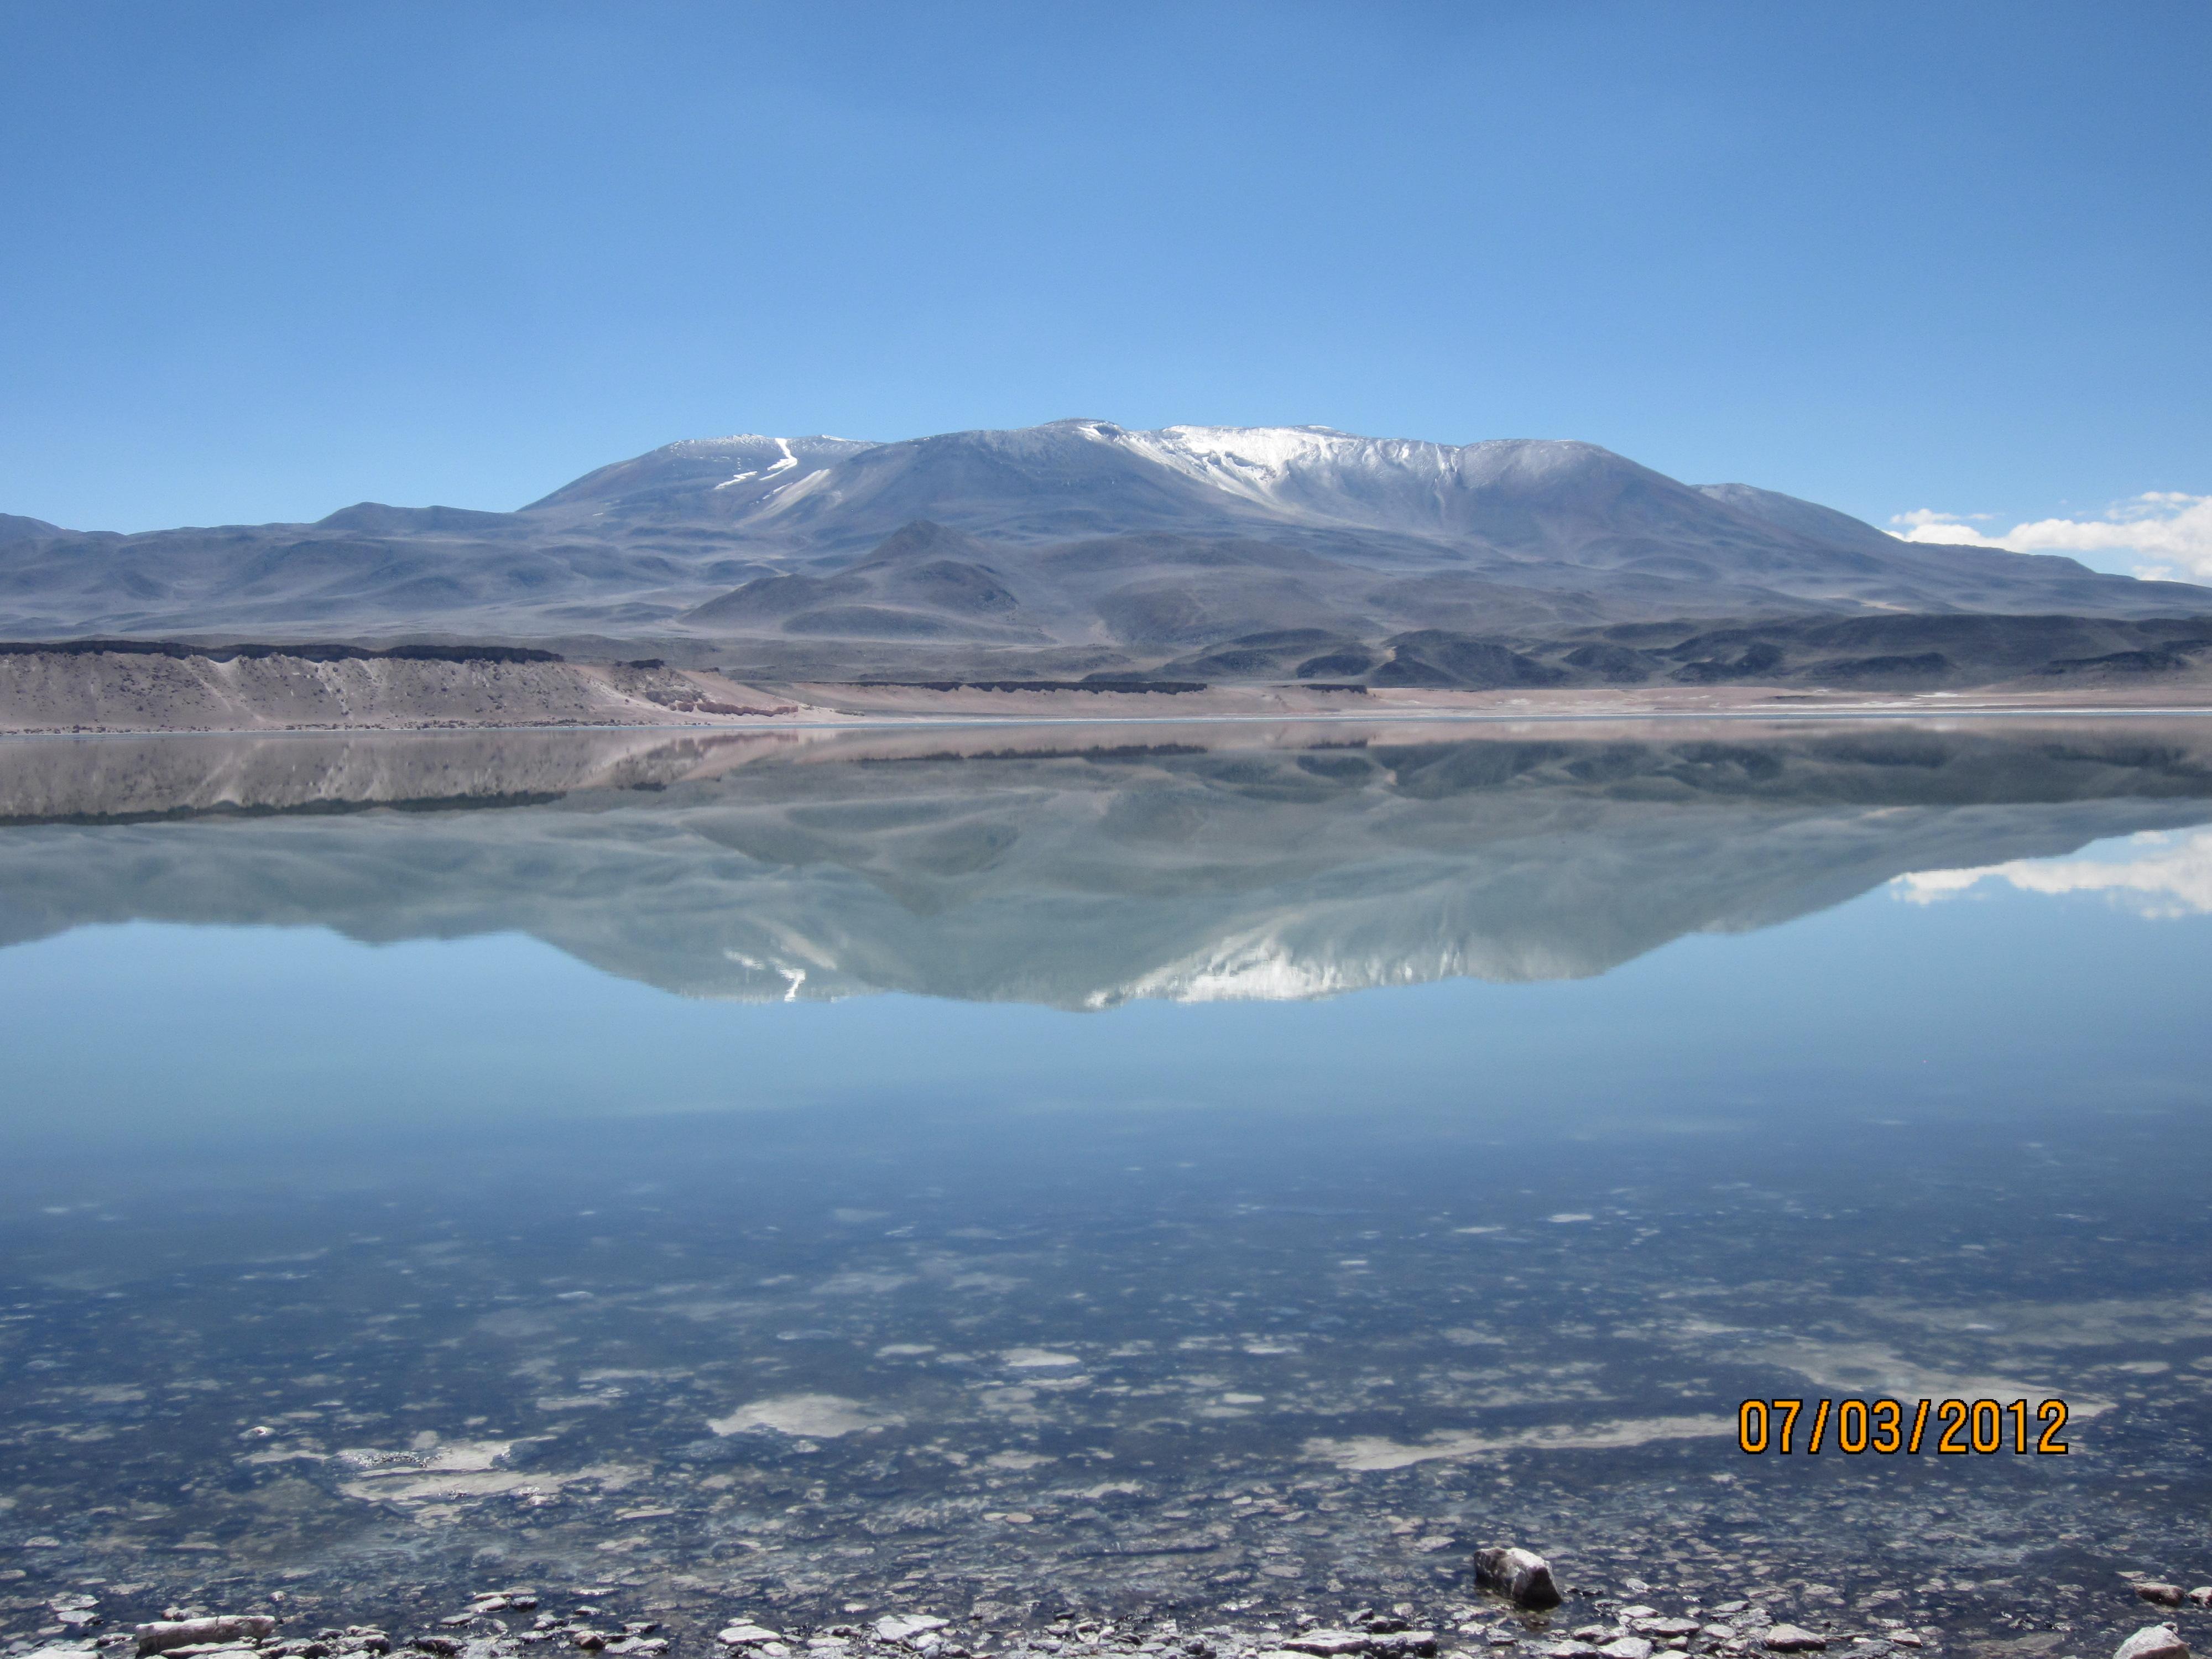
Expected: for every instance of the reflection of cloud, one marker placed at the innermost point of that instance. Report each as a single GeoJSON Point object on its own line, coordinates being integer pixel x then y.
{"type": "Point", "coordinates": [2170, 532]}
{"type": "Point", "coordinates": [816, 1416]}
{"type": "Point", "coordinates": [1369, 1451]}
{"type": "Point", "coordinates": [1929, 526]}
{"type": "Point", "coordinates": [1872, 1371]}
{"type": "Point", "coordinates": [2157, 874]}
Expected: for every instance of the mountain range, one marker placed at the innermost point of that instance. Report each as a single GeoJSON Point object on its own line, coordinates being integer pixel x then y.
{"type": "Point", "coordinates": [1083, 548]}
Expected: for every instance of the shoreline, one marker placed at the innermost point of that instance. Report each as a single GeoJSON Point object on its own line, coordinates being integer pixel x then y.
{"type": "Point", "coordinates": [1859, 713]}
{"type": "Point", "coordinates": [91, 694]}
{"type": "Point", "coordinates": [690, 1617]}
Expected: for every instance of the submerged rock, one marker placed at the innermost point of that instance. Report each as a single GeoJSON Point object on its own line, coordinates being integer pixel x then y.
{"type": "Point", "coordinates": [168, 1634]}
{"type": "Point", "coordinates": [2166, 1596]}
{"type": "Point", "coordinates": [1789, 1638]}
{"type": "Point", "coordinates": [905, 1626]}
{"type": "Point", "coordinates": [1519, 1575]}
{"type": "Point", "coordinates": [1326, 1644]}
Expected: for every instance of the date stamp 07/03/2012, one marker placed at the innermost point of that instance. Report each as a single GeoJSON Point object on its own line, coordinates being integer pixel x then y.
{"type": "Point", "coordinates": [1885, 1427]}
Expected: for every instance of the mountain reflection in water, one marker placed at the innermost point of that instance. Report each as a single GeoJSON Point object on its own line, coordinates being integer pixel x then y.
{"type": "Point", "coordinates": [1072, 867]}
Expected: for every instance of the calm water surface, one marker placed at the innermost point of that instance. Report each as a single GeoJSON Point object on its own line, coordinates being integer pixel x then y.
{"type": "Point", "coordinates": [1225, 1167]}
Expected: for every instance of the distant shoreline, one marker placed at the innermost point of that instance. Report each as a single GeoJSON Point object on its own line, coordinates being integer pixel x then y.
{"type": "Point", "coordinates": [964, 722]}
{"type": "Point", "coordinates": [86, 692]}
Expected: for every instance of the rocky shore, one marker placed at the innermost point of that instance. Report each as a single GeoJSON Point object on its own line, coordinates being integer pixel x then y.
{"type": "Point", "coordinates": [1504, 1608]}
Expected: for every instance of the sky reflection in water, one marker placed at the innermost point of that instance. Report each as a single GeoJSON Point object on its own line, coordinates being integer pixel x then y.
{"type": "Point", "coordinates": [812, 1289]}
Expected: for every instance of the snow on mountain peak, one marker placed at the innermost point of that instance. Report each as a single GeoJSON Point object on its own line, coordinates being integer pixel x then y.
{"type": "Point", "coordinates": [1262, 463]}
{"type": "Point", "coordinates": [1299, 468]}
{"type": "Point", "coordinates": [1266, 464]}
{"type": "Point", "coordinates": [1321, 472]}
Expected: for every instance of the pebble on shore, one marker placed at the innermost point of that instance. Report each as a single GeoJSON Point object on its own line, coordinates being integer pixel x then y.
{"type": "Point", "coordinates": [174, 1635]}
{"type": "Point", "coordinates": [1741, 1628]}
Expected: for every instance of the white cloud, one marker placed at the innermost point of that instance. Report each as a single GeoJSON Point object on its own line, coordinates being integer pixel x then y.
{"type": "Point", "coordinates": [1926, 517]}
{"type": "Point", "coordinates": [2158, 875]}
{"type": "Point", "coordinates": [2169, 532]}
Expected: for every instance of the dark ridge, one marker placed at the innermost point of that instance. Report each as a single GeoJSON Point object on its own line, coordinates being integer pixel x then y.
{"type": "Point", "coordinates": [322, 652]}
{"type": "Point", "coordinates": [1357, 661]}
{"type": "Point", "coordinates": [1435, 657]}
{"type": "Point", "coordinates": [1928, 662]}
{"type": "Point", "coordinates": [2127, 662]}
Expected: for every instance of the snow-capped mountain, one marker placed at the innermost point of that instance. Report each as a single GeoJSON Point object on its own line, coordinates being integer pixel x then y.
{"type": "Point", "coordinates": [1084, 477]}
{"type": "Point", "coordinates": [1074, 548]}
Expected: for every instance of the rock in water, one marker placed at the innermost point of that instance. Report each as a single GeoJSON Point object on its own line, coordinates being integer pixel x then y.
{"type": "Point", "coordinates": [2153, 1641]}
{"type": "Point", "coordinates": [1326, 1644]}
{"type": "Point", "coordinates": [1520, 1575]}
{"type": "Point", "coordinates": [2166, 1596]}
{"type": "Point", "coordinates": [906, 1627]}
{"type": "Point", "coordinates": [1789, 1639]}
{"type": "Point", "coordinates": [190, 1632]}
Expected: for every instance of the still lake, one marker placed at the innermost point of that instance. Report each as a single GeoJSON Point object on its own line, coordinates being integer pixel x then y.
{"type": "Point", "coordinates": [1213, 1166]}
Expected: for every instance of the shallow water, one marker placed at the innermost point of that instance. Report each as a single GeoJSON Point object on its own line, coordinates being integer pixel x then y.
{"type": "Point", "coordinates": [1238, 1167]}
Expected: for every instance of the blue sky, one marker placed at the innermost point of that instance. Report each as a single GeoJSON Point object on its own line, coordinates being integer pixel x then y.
{"type": "Point", "coordinates": [268, 259]}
